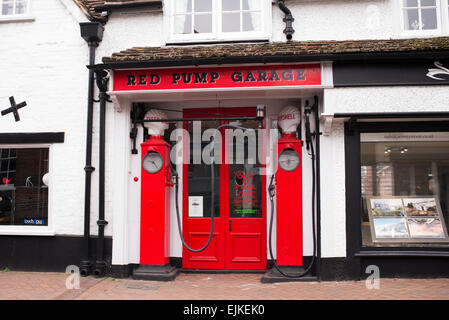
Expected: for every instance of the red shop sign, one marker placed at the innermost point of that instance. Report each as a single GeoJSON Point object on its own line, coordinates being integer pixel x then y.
{"type": "Point", "coordinates": [218, 77]}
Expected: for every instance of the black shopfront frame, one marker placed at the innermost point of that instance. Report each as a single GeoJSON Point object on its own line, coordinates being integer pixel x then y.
{"type": "Point", "coordinates": [407, 262]}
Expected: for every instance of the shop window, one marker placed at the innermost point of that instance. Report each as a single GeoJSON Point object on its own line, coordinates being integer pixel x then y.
{"type": "Point", "coordinates": [425, 17]}
{"type": "Point", "coordinates": [23, 186]}
{"type": "Point", "coordinates": [208, 20]}
{"type": "Point", "coordinates": [14, 7]}
{"type": "Point", "coordinates": [405, 188]}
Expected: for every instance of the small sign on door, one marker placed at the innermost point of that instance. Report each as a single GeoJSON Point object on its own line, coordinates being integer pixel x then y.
{"type": "Point", "coordinates": [195, 206]}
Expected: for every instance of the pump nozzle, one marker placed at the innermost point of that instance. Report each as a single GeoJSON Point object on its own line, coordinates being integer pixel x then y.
{"type": "Point", "coordinates": [307, 112]}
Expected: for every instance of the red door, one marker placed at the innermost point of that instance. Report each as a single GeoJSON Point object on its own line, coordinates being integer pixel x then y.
{"type": "Point", "coordinates": [239, 236]}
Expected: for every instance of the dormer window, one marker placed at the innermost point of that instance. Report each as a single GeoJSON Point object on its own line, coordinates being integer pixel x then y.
{"type": "Point", "coordinates": [212, 20]}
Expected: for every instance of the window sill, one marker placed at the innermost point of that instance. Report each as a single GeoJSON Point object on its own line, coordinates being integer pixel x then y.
{"type": "Point", "coordinates": [413, 35]}
{"type": "Point", "coordinates": [26, 231]}
{"type": "Point", "coordinates": [185, 42]}
{"type": "Point", "coordinates": [6, 19]}
{"type": "Point", "coordinates": [414, 254]}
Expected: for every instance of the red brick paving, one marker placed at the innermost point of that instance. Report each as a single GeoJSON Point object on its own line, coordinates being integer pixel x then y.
{"type": "Point", "coordinates": [49, 286]}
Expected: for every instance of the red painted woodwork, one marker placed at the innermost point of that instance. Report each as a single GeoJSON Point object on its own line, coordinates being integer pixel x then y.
{"type": "Point", "coordinates": [155, 207]}
{"type": "Point", "coordinates": [243, 248]}
{"type": "Point", "coordinates": [289, 238]}
{"type": "Point", "coordinates": [262, 76]}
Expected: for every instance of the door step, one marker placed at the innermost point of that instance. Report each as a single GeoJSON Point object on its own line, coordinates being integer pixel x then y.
{"type": "Point", "coordinates": [155, 273]}
{"type": "Point", "coordinates": [211, 271]}
{"type": "Point", "coordinates": [273, 275]}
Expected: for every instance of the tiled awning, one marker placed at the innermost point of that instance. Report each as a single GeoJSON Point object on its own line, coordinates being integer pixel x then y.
{"type": "Point", "coordinates": [279, 51]}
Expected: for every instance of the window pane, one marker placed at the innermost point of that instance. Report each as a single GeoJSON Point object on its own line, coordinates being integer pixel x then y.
{"type": "Point", "coordinates": [230, 5]}
{"type": "Point", "coordinates": [251, 21]}
{"type": "Point", "coordinates": [411, 19]}
{"type": "Point", "coordinates": [251, 5]}
{"type": "Point", "coordinates": [231, 22]}
{"type": "Point", "coordinates": [183, 24]}
{"type": "Point", "coordinates": [410, 3]}
{"type": "Point", "coordinates": [21, 7]}
{"type": "Point", "coordinates": [7, 7]}
{"type": "Point", "coordinates": [203, 5]}
{"type": "Point", "coordinates": [203, 23]}
{"type": "Point", "coordinates": [183, 6]}
{"type": "Point", "coordinates": [405, 188]}
{"type": "Point", "coordinates": [429, 19]}
{"type": "Point", "coordinates": [245, 180]}
{"type": "Point", "coordinates": [199, 181]}
{"type": "Point", "coordinates": [428, 3]}
{"type": "Point", "coordinates": [23, 195]}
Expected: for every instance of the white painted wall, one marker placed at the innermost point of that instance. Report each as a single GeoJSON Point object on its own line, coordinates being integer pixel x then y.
{"type": "Point", "coordinates": [386, 99]}
{"type": "Point", "coordinates": [314, 20]}
{"type": "Point", "coordinates": [338, 20]}
{"type": "Point", "coordinates": [43, 62]}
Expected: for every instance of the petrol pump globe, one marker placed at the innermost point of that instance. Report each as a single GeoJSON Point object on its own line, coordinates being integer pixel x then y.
{"type": "Point", "coordinates": [155, 128]}
{"type": "Point", "coordinates": [289, 119]}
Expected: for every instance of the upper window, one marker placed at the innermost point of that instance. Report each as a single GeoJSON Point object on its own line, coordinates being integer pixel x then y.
{"type": "Point", "coordinates": [192, 20]}
{"type": "Point", "coordinates": [425, 17]}
{"type": "Point", "coordinates": [14, 7]}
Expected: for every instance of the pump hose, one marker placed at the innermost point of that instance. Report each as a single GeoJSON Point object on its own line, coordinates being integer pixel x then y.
{"type": "Point", "coordinates": [271, 188]}
{"type": "Point", "coordinates": [212, 189]}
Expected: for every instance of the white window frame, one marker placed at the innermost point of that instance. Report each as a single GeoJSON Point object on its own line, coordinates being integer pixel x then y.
{"type": "Point", "coordinates": [26, 16]}
{"type": "Point", "coordinates": [216, 35]}
{"type": "Point", "coordinates": [442, 21]}
{"type": "Point", "coordinates": [47, 230]}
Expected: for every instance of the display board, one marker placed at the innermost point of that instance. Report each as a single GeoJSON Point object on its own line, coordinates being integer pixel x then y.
{"type": "Point", "coordinates": [406, 219]}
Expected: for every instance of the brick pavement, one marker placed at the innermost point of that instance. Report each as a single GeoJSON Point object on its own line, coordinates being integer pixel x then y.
{"type": "Point", "coordinates": [43, 286]}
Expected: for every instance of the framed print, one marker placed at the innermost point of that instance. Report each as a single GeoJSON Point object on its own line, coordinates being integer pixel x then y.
{"type": "Point", "coordinates": [390, 228]}
{"type": "Point", "coordinates": [408, 219]}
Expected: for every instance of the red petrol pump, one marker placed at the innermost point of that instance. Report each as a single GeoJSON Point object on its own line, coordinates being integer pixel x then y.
{"type": "Point", "coordinates": [289, 251]}
{"type": "Point", "coordinates": [286, 184]}
{"type": "Point", "coordinates": [155, 204]}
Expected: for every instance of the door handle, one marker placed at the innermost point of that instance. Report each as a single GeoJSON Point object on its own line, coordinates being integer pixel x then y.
{"type": "Point", "coordinates": [230, 225]}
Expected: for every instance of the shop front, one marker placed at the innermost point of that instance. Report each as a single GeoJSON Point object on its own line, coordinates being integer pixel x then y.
{"type": "Point", "coordinates": [360, 178]}
{"type": "Point", "coordinates": [203, 160]}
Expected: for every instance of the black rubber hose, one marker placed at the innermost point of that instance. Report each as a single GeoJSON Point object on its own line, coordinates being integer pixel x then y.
{"type": "Point", "coordinates": [212, 189]}
{"type": "Point", "coordinates": [271, 188]}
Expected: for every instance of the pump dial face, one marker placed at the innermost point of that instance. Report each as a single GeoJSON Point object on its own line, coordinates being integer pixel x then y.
{"type": "Point", "coordinates": [152, 162]}
{"type": "Point", "coordinates": [289, 160]}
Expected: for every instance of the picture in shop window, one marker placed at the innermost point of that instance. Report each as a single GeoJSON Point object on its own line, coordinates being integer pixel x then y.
{"type": "Point", "coordinates": [24, 186]}
{"type": "Point", "coordinates": [405, 179]}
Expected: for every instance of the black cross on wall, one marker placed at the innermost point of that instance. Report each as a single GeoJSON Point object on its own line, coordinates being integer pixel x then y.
{"type": "Point", "coordinates": [14, 108]}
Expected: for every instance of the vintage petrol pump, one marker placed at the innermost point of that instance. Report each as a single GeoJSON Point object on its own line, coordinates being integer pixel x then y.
{"type": "Point", "coordinates": [155, 204]}
{"type": "Point", "coordinates": [289, 250]}
{"type": "Point", "coordinates": [288, 191]}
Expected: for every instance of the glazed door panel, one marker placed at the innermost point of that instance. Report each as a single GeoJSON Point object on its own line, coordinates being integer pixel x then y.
{"type": "Point", "coordinates": [239, 236]}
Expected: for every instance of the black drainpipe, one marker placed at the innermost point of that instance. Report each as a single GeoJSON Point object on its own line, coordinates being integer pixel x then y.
{"type": "Point", "coordinates": [288, 20]}
{"type": "Point", "coordinates": [92, 33]}
{"type": "Point", "coordinates": [102, 84]}
{"type": "Point", "coordinates": [318, 187]}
